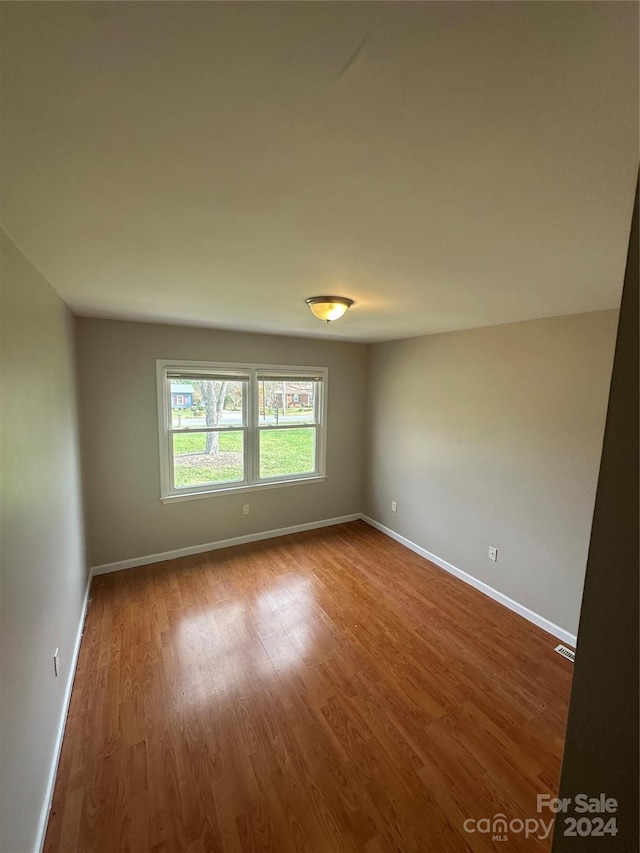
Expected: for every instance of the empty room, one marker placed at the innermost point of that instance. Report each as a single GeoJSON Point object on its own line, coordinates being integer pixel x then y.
{"type": "Point", "coordinates": [319, 427]}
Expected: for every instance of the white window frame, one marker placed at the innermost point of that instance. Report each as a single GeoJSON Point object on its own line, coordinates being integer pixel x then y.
{"type": "Point", "coordinates": [251, 429]}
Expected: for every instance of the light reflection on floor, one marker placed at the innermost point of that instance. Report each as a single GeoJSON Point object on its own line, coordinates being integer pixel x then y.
{"type": "Point", "coordinates": [240, 646]}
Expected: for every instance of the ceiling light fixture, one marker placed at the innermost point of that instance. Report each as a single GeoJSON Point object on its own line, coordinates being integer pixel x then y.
{"type": "Point", "coordinates": [328, 308]}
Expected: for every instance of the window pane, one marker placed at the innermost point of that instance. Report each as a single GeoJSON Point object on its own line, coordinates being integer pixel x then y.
{"type": "Point", "coordinates": [286, 402]}
{"type": "Point", "coordinates": [196, 403]}
{"type": "Point", "coordinates": [207, 457]}
{"type": "Point", "coordinates": [287, 451]}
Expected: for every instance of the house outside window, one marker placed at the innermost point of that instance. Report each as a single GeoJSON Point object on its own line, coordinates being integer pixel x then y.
{"type": "Point", "coordinates": [181, 395]}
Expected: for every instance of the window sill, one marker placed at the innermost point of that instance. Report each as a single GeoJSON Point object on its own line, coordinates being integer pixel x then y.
{"type": "Point", "coordinates": [234, 490]}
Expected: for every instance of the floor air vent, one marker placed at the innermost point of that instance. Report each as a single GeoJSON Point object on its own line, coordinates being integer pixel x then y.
{"type": "Point", "coordinates": [569, 654]}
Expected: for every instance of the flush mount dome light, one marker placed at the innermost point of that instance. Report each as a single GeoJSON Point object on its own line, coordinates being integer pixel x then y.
{"type": "Point", "coordinates": [328, 308]}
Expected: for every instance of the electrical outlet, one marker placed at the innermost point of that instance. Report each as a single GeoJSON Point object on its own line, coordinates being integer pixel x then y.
{"type": "Point", "coordinates": [56, 662]}
{"type": "Point", "coordinates": [245, 509]}
{"type": "Point", "coordinates": [394, 506]}
{"type": "Point", "coordinates": [493, 554]}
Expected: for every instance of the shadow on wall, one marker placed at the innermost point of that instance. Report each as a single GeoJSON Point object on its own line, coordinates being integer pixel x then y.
{"type": "Point", "coordinates": [601, 748]}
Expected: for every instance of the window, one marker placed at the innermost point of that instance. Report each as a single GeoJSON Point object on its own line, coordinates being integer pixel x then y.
{"type": "Point", "coordinates": [245, 427]}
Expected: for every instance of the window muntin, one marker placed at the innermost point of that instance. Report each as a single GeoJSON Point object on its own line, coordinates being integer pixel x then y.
{"type": "Point", "coordinates": [246, 426]}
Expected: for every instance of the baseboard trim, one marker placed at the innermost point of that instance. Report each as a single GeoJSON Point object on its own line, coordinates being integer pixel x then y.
{"type": "Point", "coordinates": [520, 609]}
{"type": "Point", "coordinates": [46, 807]}
{"type": "Point", "coordinates": [516, 607]}
{"type": "Point", "coordinates": [221, 543]}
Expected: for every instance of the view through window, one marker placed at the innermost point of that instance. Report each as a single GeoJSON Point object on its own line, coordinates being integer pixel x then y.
{"type": "Point", "coordinates": [239, 426]}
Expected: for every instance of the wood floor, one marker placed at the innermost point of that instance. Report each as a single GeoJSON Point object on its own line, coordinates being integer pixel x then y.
{"type": "Point", "coordinates": [326, 691]}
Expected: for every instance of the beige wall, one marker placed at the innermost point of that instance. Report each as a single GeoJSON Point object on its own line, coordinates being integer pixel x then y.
{"type": "Point", "coordinates": [490, 436]}
{"type": "Point", "coordinates": [43, 572]}
{"type": "Point", "coordinates": [493, 437]}
{"type": "Point", "coordinates": [126, 519]}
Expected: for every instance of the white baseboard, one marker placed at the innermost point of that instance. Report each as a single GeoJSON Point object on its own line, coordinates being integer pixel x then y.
{"type": "Point", "coordinates": [520, 609]}
{"type": "Point", "coordinates": [46, 806]}
{"type": "Point", "coordinates": [221, 543]}
{"type": "Point", "coordinates": [538, 620]}
{"type": "Point", "coordinates": [515, 606]}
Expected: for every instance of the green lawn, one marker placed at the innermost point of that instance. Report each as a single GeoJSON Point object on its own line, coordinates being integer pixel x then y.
{"type": "Point", "coordinates": [282, 452]}
{"type": "Point", "coordinates": [286, 451]}
{"type": "Point", "coordinates": [194, 442]}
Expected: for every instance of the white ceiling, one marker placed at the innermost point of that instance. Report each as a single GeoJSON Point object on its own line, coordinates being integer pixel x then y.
{"type": "Point", "coordinates": [217, 163]}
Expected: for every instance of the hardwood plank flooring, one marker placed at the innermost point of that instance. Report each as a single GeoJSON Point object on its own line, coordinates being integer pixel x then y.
{"type": "Point", "coordinates": [326, 691]}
